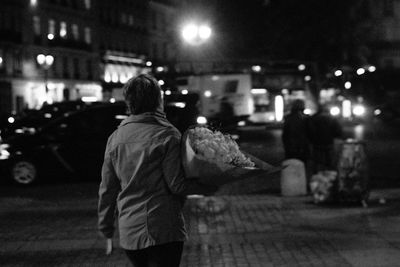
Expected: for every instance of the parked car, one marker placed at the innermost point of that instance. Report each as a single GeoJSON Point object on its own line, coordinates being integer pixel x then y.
{"type": "Point", "coordinates": [70, 142]}
{"type": "Point", "coordinates": [27, 120]}
{"type": "Point", "coordinates": [71, 145]}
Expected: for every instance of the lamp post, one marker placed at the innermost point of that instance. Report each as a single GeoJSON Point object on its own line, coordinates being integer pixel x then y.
{"type": "Point", "coordinates": [45, 62]}
{"type": "Point", "coordinates": [195, 34]}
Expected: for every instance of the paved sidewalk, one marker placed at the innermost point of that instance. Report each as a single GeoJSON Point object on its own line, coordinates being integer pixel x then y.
{"type": "Point", "coordinates": [250, 230]}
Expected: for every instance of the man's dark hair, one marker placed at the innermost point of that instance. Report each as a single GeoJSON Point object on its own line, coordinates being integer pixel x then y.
{"type": "Point", "coordinates": [298, 105]}
{"type": "Point", "coordinates": [142, 94]}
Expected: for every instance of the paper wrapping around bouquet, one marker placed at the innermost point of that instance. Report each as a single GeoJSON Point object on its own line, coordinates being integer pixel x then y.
{"type": "Point", "coordinates": [219, 173]}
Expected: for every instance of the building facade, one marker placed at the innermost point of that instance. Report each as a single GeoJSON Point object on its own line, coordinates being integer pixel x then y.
{"type": "Point", "coordinates": [378, 33]}
{"type": "Point", "coordinates": [61, 30]}
{"type": "Point", "coordinates": [123, 43]}
{"type": "Point", "coordinates": [94, 47]}
{"type": "Point", "coordinates": [385, 38]}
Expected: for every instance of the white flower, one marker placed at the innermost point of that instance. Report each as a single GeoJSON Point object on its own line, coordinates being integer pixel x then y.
{"type": "Point", "coordinates": [214, 145]}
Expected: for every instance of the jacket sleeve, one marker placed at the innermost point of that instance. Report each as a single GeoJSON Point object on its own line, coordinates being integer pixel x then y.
{"type": "Point", "coordinates": [173, 171]}
{"type": "Point", "coordinates": [108, 192]}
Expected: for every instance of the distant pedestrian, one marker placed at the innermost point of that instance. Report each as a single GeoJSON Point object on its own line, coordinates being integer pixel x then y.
{"type": "Point", "coordinates": [295, 133]}
{"type": "Point", "coordinates": [226, 113]}
{"type": "Point", "coordinates": [323, 130]}
{"type": "Point", "coordinates": [142, 178]}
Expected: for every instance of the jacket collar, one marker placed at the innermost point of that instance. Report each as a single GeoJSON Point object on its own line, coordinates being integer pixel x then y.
{"type": "Point", "coordinates": [157, 117]}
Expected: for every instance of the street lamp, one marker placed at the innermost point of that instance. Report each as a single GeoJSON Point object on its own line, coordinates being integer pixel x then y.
{"type": "Point", "coordinates": [45, 62]}
{"type": "Point", "coordinates": [196, 34]}
{"type": "Point", "coordinates": [338, 73]}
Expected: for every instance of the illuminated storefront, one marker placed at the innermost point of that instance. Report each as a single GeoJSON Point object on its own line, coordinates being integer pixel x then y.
{"type": "Point", "coordinates": [118, 69]}
{"type": "Point", "coordinates": [32, 94]}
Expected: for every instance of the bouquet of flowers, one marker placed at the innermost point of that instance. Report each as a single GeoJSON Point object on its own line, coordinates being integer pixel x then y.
{"type": "Point", "coordinates": [322, 186]}
{"type": "Point", "coordinates": [216, 158]}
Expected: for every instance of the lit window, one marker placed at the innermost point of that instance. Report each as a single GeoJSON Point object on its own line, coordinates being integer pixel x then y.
{"type": "Point", "coordinates": [87, 4]}
{"type": "Point", "coordinates": [88, 37]}
{"type": "Point", "coordinates": [52, 27]}
{"type": "Point", "coordinates": [63, 29]}
{"type": "Point", "coordinates": [114, 77]}
{"type": "Point", "coordinates": [107, 77]}
{"type": "Point", "coordinates": [36, 25]}
{"type": "Point", "coordinates": [75, 31]}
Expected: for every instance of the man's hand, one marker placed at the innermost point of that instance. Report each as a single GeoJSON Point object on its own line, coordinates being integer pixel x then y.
{"type": "Point", "coordinates": [109, 246]}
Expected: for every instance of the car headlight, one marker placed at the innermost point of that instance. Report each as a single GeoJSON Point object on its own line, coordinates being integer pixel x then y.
{"type": "Point", "coordinates": [335, 111]}
{"type": "Point", "coordinates": [359, 110]}
{"type": "Point", "coordinates": [28, 130]}
{"type": "Point", "coordinates": [241, 123]}
{"type": "Point", "coordinates": [4, 153]}
{"type": "Point", "coordinates": [201, 120]}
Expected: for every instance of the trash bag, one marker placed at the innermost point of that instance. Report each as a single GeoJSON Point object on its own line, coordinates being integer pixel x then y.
{"type": "Point", "coordinates": [323, 186]}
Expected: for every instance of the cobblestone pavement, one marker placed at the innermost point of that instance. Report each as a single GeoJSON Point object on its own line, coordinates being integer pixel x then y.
{"type": "Point", "coordinates": [249, 230]}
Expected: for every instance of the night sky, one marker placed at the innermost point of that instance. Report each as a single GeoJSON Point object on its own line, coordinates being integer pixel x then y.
{"type": "Point", "coordinates": [322, 31]}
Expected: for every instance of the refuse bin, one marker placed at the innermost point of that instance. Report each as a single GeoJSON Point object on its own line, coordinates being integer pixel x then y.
{"type": "Point", "coordinates": [352, 169]}
{"type": "Point", "coordinates": [293, 178]}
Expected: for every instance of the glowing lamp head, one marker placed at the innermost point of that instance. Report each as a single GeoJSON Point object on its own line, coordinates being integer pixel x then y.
{"type": "Point", "coordinates": [204, 32]}
{"type": "Point", "coordinates": [189, 32]}
{"type": "Point", "coordinates": [49, 60]}
{"type": "Point", "coordinates": [41, 59]}
{"type": "Point", "coordinates": [195, 34]}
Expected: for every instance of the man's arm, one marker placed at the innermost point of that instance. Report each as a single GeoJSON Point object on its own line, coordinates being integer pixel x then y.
{"type": "Point", "coordinates": [174, 175]}
{"type": "Point", "coordinates": [108, 192]}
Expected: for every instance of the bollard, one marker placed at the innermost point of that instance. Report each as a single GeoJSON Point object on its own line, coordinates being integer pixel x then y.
{"type": "Point", "coordinates": [293, 178]}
